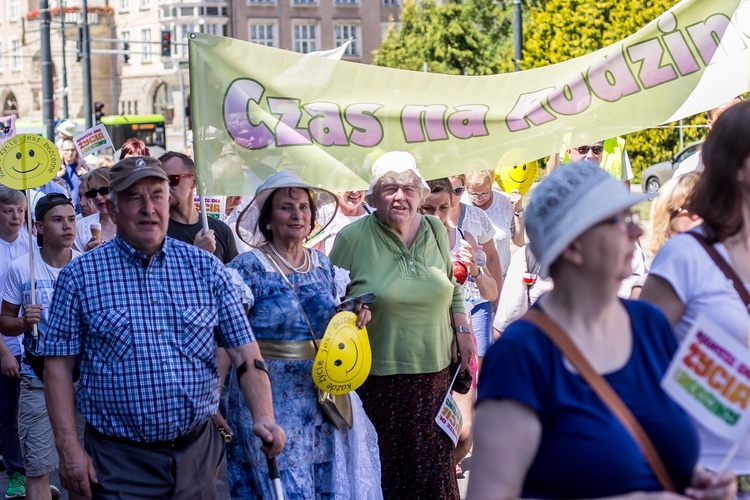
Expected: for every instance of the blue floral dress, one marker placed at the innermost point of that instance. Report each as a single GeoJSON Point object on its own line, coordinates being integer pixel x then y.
{"type": "Point", "coordinates": [274, 313]}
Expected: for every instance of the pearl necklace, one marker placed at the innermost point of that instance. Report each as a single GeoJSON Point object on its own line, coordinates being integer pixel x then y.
{"type": "Point", "coordinates": [300, 269]}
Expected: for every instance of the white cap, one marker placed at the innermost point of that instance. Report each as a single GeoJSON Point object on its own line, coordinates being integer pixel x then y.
{"type": "Point", "coordinates": [397, 162]}
{"type": "Point", "coordinates": [567, 203]}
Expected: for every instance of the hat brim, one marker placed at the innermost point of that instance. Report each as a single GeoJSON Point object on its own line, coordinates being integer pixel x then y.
{"type": "Point", "coordinates": [579, 225]}
{"type": "Point", "coordinates": [137, 176]}
{"type": "Point", "coordinates": [326, 204]}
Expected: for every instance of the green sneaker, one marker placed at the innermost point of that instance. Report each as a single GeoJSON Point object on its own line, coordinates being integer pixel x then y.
{"type": "Point", "coordinates": [16, 486]}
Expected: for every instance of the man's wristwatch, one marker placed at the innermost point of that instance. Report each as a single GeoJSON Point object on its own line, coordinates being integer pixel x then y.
{"type": "Point", "coordinates": [519, 213]}
{"type": "Point", "coordinates": [462, 329]}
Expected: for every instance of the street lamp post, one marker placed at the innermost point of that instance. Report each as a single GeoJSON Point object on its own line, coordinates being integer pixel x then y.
{"type": "Point", "coordinates": [48, 105]}
{"type": "Point", "coordinates": [517, 33]}
{"type": "Point", "coordinates": [86, 62]}
{"type": "Point", "coordinates": [64, 62]}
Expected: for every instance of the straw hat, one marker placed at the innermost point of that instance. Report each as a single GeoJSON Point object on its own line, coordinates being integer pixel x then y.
{"type": "Point", "coordinates": [326, 205]}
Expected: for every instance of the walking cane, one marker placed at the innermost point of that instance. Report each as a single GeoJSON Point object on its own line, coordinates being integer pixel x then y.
{"type": "Point", "coordinates": [273, 472]}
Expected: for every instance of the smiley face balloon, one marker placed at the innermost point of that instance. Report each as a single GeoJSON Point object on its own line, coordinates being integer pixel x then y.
{"type": "Point", "coordinates": [344, 357]}
{"type": "Point", "coordinates": [28, 161]}
{"type": "Point", "coordinates": [519, 177]}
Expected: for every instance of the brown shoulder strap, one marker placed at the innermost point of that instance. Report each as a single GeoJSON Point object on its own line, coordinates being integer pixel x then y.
{"type": "Point", "coordinates": [725, 268]}
{"type": "Point", "coordinates": [604, 391]}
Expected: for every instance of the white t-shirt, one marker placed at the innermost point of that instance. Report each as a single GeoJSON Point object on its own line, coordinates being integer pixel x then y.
{"type": "Point", "coordinates": [514, 300]}
{"type": "Point", "coordinates": [500, 214]}
{"type": "Point", "coordinates": [705, 290]}
{"type": "Point", "coordinates": [8, 253]}
{"type": "Point", "coordinates": [17, 289]}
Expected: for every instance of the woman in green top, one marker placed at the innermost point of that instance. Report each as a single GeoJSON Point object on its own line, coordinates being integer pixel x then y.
{"type": "Point", "coordinates": [402, 257]}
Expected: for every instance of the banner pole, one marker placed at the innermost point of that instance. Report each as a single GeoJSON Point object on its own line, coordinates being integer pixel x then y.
{"type": "Point", "coordinates": [31, 254]}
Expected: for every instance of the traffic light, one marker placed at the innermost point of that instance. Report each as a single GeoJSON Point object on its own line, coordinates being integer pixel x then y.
{"type": "Point", "coordinates": [98, 112]}
{"type": "Point", "coordinates": [79, 45]}
{"type": "Point", "coordinates": [166, 43]}
{"type": "Point", "coordinates": [126, 49]}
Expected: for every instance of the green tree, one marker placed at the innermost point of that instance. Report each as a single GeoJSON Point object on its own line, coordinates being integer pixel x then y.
{"type": "Point", "coordinates": [564, 29]}
{"type": "Point", "coordinates": [452, 38]}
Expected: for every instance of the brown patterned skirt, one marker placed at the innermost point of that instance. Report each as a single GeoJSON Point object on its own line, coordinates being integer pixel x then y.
{"type": "Point", "coordinates": [416, 456]}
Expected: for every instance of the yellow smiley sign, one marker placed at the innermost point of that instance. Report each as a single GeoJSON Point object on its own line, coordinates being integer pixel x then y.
{"type": "Point", "coordinates": [28, 161]}
{"type": "Point", "coordinates": [519, 177]}
{"type": "Point", "coordinates": [344, 357]}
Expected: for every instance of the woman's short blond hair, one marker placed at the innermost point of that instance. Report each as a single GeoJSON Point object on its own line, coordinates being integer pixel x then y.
{"type": "Point", "coordinates": [673, 196]}
{"type": "Point", "coordinates": [479, 177]}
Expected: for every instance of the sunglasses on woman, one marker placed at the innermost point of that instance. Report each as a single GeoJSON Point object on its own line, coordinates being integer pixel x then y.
{"type": "Point", "coordinates": [174, 180]}
{"type": "Point", "coordinates": [597, 150]}
{"type": "Point", "coordinates": [459, 190]}
{"type": "Point", "coordinates": [91, 193]}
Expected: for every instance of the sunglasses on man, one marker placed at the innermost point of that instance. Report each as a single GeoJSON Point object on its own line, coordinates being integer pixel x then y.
{"type": "Point", "coordinates": [597, 150]}
{"type": "Point", "coordinates": [174, 180]}
{"type": "Point", "coordinates": [91, 193]}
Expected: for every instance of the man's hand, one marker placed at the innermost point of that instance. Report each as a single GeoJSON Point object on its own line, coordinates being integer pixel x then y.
{"type": "Point", "coordinates": [32, 314]}
{"type": "Point", "coordinates": [76, 469]}
{"type": "Point", "coordinates": [205, 241]}
{"type": "Point", "coordinates": [9, 365]}
{"type": "Point", "coordinates": [269, 432]}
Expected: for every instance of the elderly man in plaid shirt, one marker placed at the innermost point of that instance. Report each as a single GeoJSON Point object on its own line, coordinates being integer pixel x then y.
{"type": "Point", "coordinates": [142, 312]}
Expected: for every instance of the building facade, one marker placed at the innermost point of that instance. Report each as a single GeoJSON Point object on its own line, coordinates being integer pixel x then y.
{"type": "Point", "coordinates": [129, 74]}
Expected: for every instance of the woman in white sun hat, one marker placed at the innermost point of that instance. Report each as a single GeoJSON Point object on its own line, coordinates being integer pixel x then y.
{"type": "Point", "coordinates": [540, 430]}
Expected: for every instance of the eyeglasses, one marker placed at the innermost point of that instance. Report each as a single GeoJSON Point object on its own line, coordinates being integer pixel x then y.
{"type": "Point", "coordinates": [459, 190]}
{"type": "Point", "coordinates": [174, 180]}
{"type": "Point", "coordinates": [629, 220]}
{"type": "Point", "coordinates": [91, 194]}
{"type": "Point", "coordinates": [479, 196]}
{"type": "Point", "coordinates": [597, 150]}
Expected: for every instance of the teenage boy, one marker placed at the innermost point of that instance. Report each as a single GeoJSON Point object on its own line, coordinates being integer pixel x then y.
{"type": "Point", "coordinates": [13, 244]}
{"type": "Point", "coordinates": [56, 230]}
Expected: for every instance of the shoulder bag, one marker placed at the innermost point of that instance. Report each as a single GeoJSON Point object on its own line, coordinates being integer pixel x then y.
{"type": "Point", "coordinates": [725, 268]}
{"type": "Point", "coordinates": [337, 408]}
{"type": "Point", "coordinates": [604, 391]}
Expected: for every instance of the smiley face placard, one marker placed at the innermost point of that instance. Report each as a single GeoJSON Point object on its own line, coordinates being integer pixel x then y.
{"type": "Point", "coordinates": [344, 357]}
{"type": "Point", "coordinates": [519, 177]}
{"type": "Point", "coordinates": [28, 161]}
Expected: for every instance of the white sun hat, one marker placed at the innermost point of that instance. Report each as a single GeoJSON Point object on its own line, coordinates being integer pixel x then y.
{"type": "Point", "coordinates": [326, 204]}
{"type": "Point", "coordinates": [396, 162]}
{"type": "Point", "coordinates": [570, 201]}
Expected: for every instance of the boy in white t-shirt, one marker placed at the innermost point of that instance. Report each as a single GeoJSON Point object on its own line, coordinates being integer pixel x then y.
{"type": "Point", "coordinates": [56, 229]}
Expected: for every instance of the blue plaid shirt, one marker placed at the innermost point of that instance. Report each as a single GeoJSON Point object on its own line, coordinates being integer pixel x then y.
{"type": "Point", "coordinates": [146, 332]}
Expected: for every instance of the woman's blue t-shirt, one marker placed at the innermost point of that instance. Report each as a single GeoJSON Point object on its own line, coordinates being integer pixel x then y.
{"type": "Point", "coordinates": [585, 452]}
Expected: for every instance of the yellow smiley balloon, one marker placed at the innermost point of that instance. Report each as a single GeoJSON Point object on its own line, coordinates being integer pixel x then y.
{"type": "Point", "coordinates": [28, 161]}
{"type": "Point", "coordinates": [344, 357]}
{"type": "Point", "coordinates": [519, 177]}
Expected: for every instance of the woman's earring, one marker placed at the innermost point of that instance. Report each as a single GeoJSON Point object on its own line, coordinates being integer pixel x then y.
{"type": "Point", "coordinates": [268, 226]}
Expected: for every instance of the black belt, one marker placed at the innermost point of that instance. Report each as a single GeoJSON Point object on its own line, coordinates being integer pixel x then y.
{"type": "Point", "coordinates": [174, 444]}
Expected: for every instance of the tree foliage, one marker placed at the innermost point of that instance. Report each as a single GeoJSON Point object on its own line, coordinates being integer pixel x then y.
{"type": "Point", "coordinates": [475, 37]}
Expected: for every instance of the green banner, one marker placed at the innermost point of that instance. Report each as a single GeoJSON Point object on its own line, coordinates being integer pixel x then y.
{"type": "Point", "coordinates": [257, 110]}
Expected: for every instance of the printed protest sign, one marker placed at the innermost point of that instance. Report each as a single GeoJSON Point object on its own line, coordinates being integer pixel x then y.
{"type": "Point", "coordinates": [329, 120]}
{"type": "Point", "coordinates": [710, 378]}
{"type": "Point", "coordinates": [449, 417]}
{"type": "Point", "coordinates": [215, 205]}
{"type": "Point", "coordinates": [92, 140]}
{"type": "Point", "coordinates": [28, 161]}
{"type": "Point", "coordinates": [7, 128]}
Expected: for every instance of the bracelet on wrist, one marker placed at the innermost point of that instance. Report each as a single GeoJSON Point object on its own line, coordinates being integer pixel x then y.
{"type": "Point", "coordinates": [519, 213]}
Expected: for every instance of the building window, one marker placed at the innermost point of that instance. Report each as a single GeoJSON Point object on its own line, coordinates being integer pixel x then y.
{"type": "Point", "coordinates": [252, 2]}
{"type": "Point", "coordinates": [342, 33]}
{"type": "Point", "coordinates": [146, 47]}
{"type": "Point", "coordinates": [262, 32]}
{"type": "Point", "coordinates": [15, 55]}
{"type": "Point", "coordinates": [187, 12]}
{"type": "Point", "coordinates": [304, 2]}
{"type": "Point", "coordinates": [389, 3]}
{"type": "Point", "coordinates": [13, 10]}
{"type": "Point", "coordinates": [145, 4]}
{"type": "Point", "coordinates": [163, 103]}
{"type": "Point", "coordinates": [124, 5]}
{"type": "Point", "coordinates": [305, 37]}
{"type": "Point", "coordinates": [346, 2]}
